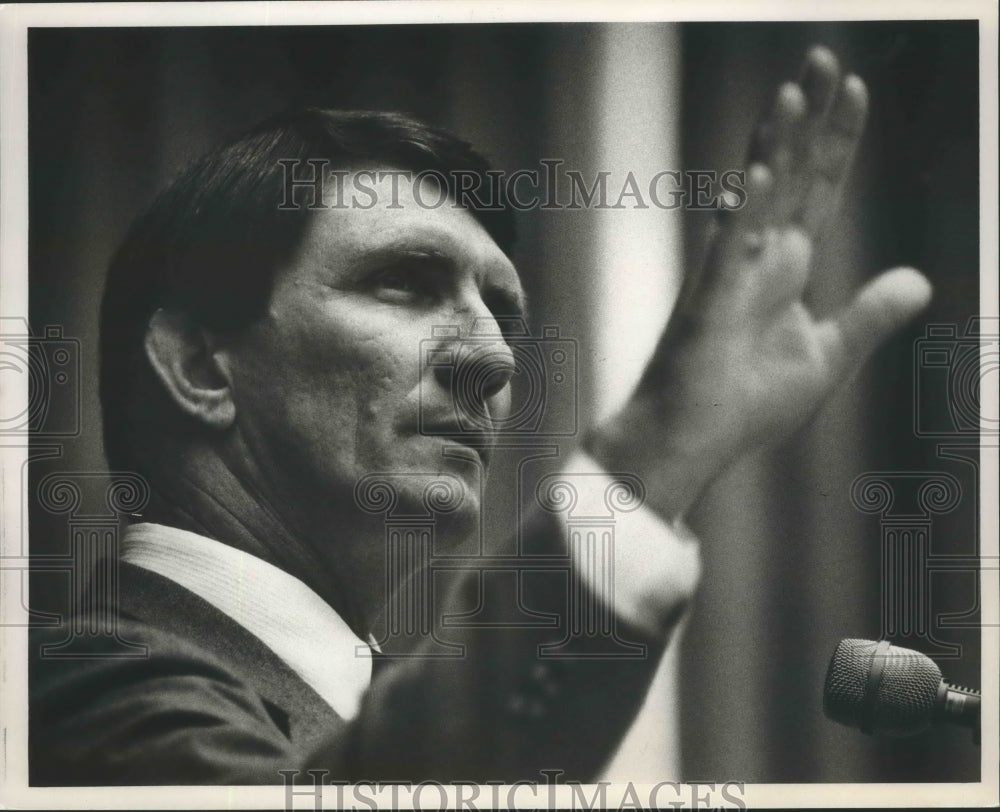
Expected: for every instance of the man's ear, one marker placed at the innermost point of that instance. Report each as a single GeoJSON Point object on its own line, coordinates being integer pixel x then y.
{"type": "Point", "coordinates": [195, 374]}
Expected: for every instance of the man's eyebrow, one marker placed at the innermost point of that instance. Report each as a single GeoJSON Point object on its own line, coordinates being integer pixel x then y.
{"type": "Point", "coordinates": [393, 252]}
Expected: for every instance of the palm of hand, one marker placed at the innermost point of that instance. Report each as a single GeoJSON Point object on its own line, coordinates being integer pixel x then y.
{"type": "Point", "coordinates": [743, 361]}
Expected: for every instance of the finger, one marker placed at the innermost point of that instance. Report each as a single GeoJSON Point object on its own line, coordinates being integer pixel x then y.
{"type": "Point", "coordinates": [775, 144]}
{"type": "Point", "coordinates": [775, 134]}
{"type": "Point", "coordinates": [785, 273]}
{"type": "Point", "coordinates": [741, 237]}
{"type": "Point", "coordinates": [755, 212]}
{"type": "Point", "coordinates": [743, 240]}
{"type": "Point", "coordinates": [832, 153]}
{"type": "Point", "coordinates": [819, 79]}
{"type": "Point", "coordinates": [794, 167]}
{"type": "Point", "coordinates": [835, 144]}
{"type": "Point", "coordinates": [880, 308]}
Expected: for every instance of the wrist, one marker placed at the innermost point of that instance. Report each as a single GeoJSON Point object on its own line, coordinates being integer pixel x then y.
{"type": "Point", "coordinates": [675, 465]}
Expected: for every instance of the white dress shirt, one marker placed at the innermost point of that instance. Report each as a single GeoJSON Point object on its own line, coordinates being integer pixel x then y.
{"type": "Point", "coordinates": [285, 614]}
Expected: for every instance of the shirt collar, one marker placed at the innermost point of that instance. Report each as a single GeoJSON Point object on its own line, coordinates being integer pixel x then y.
{"type": "Point", "coordinates": [284, 613]}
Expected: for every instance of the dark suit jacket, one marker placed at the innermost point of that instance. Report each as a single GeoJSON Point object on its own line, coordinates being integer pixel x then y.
{"type": "Point", "coordinates": [211, 704]}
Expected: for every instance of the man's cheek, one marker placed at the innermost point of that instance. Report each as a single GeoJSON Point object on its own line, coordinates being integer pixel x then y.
{"type": "Point", "coordinates": [380, 392]}
{"type": "Point", "coordinates": [387, 367]}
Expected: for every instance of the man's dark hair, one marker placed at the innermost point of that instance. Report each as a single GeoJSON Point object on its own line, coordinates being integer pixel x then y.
{"type": "Point", "coordinates": [212, 242]}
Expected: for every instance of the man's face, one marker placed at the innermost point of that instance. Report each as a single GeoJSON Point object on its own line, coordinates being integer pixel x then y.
{"type": "Point", "coordinates": [334, 383]}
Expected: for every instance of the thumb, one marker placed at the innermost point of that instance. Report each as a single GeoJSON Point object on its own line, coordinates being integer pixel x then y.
{"type": "Point", "coordinates": [879, 309]}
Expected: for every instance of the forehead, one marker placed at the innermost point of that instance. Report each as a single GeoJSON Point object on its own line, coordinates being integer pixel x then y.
{"type": "Point", "coordinates": [368, 213]}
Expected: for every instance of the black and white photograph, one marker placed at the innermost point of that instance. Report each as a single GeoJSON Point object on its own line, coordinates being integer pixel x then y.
{"type": "Point", "coordinates": [460, 405]}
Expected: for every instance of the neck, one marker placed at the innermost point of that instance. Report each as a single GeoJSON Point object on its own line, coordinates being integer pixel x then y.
{"type": "Point", "coordinates": [204, 495]}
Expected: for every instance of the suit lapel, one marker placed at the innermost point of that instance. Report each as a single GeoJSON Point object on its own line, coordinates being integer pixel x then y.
{"type": "Point", "coordinates": [160, 602]}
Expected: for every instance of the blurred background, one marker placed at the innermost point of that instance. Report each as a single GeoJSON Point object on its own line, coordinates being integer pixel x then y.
{"type": "Point", "coordinates": [791, 564]}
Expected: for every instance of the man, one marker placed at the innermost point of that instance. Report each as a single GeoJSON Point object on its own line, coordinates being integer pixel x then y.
{"type": "Point", "coordinates": [263, 358]}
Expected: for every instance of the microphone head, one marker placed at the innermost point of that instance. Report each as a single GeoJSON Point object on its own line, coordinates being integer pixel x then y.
{"type": "Point", "coordinates": [899, 702]}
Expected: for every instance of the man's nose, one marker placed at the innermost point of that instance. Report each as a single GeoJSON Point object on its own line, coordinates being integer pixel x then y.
{"type": "Point", "coordinates": [483, 362]}
{"type": "Point", "coordinates": [492, 367]}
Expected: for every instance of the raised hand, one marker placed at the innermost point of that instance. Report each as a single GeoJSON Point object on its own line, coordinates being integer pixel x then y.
{"type": "Point", "coordinates": [743, 362]}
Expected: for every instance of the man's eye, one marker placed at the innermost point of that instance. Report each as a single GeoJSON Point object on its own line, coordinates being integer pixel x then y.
{"type": "Point", "coordinates": [401, 285]}
{"type": "Point", "coordinates": [397, 280]}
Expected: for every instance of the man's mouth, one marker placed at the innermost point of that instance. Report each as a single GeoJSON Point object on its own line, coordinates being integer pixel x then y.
{"type": "Point", "coordinates": [479, 442]}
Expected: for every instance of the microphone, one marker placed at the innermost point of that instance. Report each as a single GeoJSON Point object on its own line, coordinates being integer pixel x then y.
{"type": "Point", "coordinates": [881, 688]}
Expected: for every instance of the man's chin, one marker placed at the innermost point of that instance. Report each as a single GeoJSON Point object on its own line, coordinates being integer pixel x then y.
{"type": "Point", "coordinates": [447, 505]}
{"type": "Point", "coordinates": [452, 499]}
{"type": "Point", "coordinates": [424, 494]}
